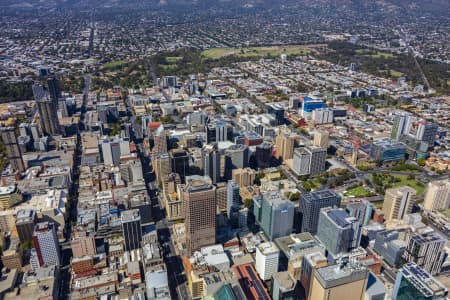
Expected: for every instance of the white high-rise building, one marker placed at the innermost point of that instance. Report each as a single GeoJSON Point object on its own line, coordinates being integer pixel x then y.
{"type": "Point", "coordinates": [437, 195]}
{"type": "Point", "coordinates": [301, 161]}
{"type": "Point", "coordinates": [46, 244]}
{"type": "Point", "coordinates": [267, 256]}
{"type": "Point", "coordinates": [322, 116]}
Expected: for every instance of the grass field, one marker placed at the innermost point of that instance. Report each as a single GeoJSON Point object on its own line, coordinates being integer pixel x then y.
{"type": "Point", "coordinates": [168, 67]}
{"type": "Point", "coordinates": [113, 64]}
{"type": "Point", "coordinates": [216, 53]}
{"type": "Point", "coordinates": [173, 59]}
{"type": "Point", "coordinates": [446, 213]}
{"type": "Point", "coordinates": [418, 186]}
{"type": "Point", "coordinates": [396, 73]}
{"type": "Point", "coordinates": [357, 192]}
{"type": "Point", "coordinates": [382, 55]}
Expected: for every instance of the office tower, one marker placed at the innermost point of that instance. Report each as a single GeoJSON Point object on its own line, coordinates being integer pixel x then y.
{"type": "Point", "coordinates": [38, 92]}
{"type": "Point", "coordinates": [211, 158]}
{"type": "Point", "coordinates": [243, 177]}
{"type": "Point", "coordinates": [311, 204]}
{"type": "Point", "coordinates": [389, 246]}
{"type": "Point", "coordinates": [277, 111]}
{"type": "Point", "coordinates": [198, 118]}
{"type": "Point", "coordinates": [54, 90]}
{"type": "Point", "coordinates": [437, 195]}
{"type": "Point", "coordinates": [266, 261]}
{"type": "Point", "coordinates": [427, 251]}
{"type": "Point", "coordinates": [412, 282]}
{"type": "Point", "coordinates": [309, 265]}
{"type": "Point", "coordinates": [318, 159]}
{"type": "Point", "coordinates": [135, 171]}
{"type": "Point", "coordinates": [387, 150]}
{"type": "Point", "coordinates": [35, 133]}
{"type": "Point", "coordinates": [146, 120]}
{"type": "Point", "coordinates": [353, 67]}
{"type": "Point", "coordinates": [131, 229]}
{"type": "Point", "coordinates": [283, 286]}
{"type": "Point", "coordinates": [162, 167]}
{"type": "Point", "coordinates": [12, 148]}
{"type": "Point", "coordinates": [321, 139]}
{"type": "Point", "coordinates": [310, 104]}
{"type": "Point", "coordinates": [232, 197]}
{"type": "Point", "coordinates": [301, 161]}
{"type": "Point", "coordinates": [46, 244]}
{"type": "Point", "coordinates": [180, 162]}
{"type": "Point", "coordinates": [83, 244]}
{"type": "Point", "coordinates": [337, 282]}
{"type": "Point", "coordinates": [218, 131]}
{"type": "Point", "coordinates": [274, 214]}
{"type": "Point", "coordinates": [221, 196]}
{"type": "Point", "coordinates": [159, 141]}
{"type": "Point", "coordinates": [170, 183]}
{"type": "Point", "coordinates": [264, 154]}
{"type": "Point", "coordinates": [337, 231]}
{"type": "Point", "coordinates": [48, 116]}
{"type": "Point", "coordinates": [427, 133]}
{"type": "Point", "coordinates": [398, 202]}
{"type": "Point", "coordinates": [169, 81]}
{"type": "Point", "coordinates": [285, 142]}
{"type": "Point", "coordinates": [24, 129]}
{"type": "Point", "coordinates": [323, 116]}
{"type": "Point", "coordinates": [401, 126]}
{"type": "Point", "coordinates": [199, 202]}
{"type": "Point", "coordinates": [236, 157]}
{"type": "Point", "coordinates": [110, 149]}
{"type": "Point", "coordinates": [25, 222]}
{"type": "Point", "coordinates": [124, 146]}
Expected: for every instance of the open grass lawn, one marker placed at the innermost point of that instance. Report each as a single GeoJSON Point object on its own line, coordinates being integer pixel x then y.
{"type": "Point", "coordinates": [415, 184]}
{"type": "Point", "coordinates": [446, 213]}
{"type": "Point", "coordinates": [216, 53]}
{"type": "Point", "coordinates": [173, 59]}
{"type": "Point", "coordinates": [168, 67]}
{"type": "Point", "coordinates": [357, 192]}
{"type": "Point", "coordinates": [113, 64]}
{"type": "Point", "coordinates": [382, 55]}
{"type": "Point", "coordinates": [396, 73]}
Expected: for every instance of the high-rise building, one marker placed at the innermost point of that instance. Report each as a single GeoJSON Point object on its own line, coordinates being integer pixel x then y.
{"type": "Point", "coordinates": [389, 246]}
{"type": "Point", "coordinates": [413, 282]}
{"type": "Point", "coordinates": [301, 161]}
{"type": "Point", "coordinates": [131, 229]}
{"type": "Point", "coordinates": [337, 231]}
{"type": "Point", "coordinates": [211, 162]}
{"type": "Point", "coordinates": [437, 195]}
{"type": "Point", "coordinates": [285, 142]}
{"type": "Point", "coordinates": [25, 222]}
{"type": "Point", "coordinates": [244, 177]}
{"type": "Point", "coordinates": [232, 198]}
{"type": "Point", "coordinates": [309, 265]}
{"type": "Point", "coordinates": [46, 244]}
{"type": "Point", "coordinates": [275, 214]}
{"type": "Point", "coordinates": [48, 116]}
{"type": "Point", "coordinates": [311, 204]}
{"type": "Point", "coordinates": [427, 251]}
{"type": "Point", "coordinates": [12, 148]}
{"type": "Point", "coordinates": [111, 151]}
{"type": "Point", "coordinates": [277, 111]}
{"type": "Point", "coordinates": [221, 196]}
{"type": "Point", "coordinates": [54, 90]}
{"type": "Point", "coordinates": [283, 286]}
{"type": "Point", "coordinates": [309, 160]}
{"type": "Point", "coordinates": [337, 282]}
{"type": "Point", "coordinates": [159, 141]}
{"type": "Point", "coordinates": [266, 261]}
{"type": "Point", "coordinates": [323, 116]}
{"type": "Point", "coordinates": [264, 154]}
{"type": "Point", "coordinates": [162, 167]}
{"type": "Point", "coordinates": [401, 126]}
{"type": "Point", "coordinates": [199, 201]}
{"type": "Point", "coordinates": [321, 139]}
{"type": "Point", "coordinates": [398, 202]}
{"type": "Point", "coordinates": [218, 131]}
{"type": "Point", "coordinates": [179, 162]}
{"type": "Point", "coordinates": [236, 157]}
{"type": "Point", "coordinates": [427, 133]}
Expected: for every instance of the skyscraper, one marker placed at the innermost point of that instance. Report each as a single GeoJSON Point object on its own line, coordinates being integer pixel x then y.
{"type": "Point", "coordinates": [131, 229]}
{"type": "Point", "coordinates": [54, 90]}
{"type": "Point", "coordinates": [48, 116]}
{"type": "Point", "coordinates": [321, 139]}
{"type": "Point", "coordinates": [232, 198]}
{"type": "Point", "coordinates": [274, 214]}
{"type": "Point", "coordinates": [211, 158]}
{"type": "Point", "coordinates": [398, 202]}
{"type": "Point", "coordinates": [318, 160]}
{"type": "Point", "coordinates": [413, 282]}
{"type": "Point", "coordinates": [337, 231]}
{"type": "Point", "coordinates": [236, 157]}
{"type": "Point", "coordinates": [199, 201]}
{"type": "Point", "coordinates": [437, 195]}
{"type": "Point", "coordinates": [337, 282]}
{"type": "Point", "coordinates": [46, 244]}
{"type": "Point", "coordinates": [159, 141]}
{"type": "Point", "coordinates": [264, 154]}
{"type": "Point", "coordinates": [311, 204]}
{"type": "Point", "coordinates": [180, 162]}
{"type": "Point", "coordinates": [111, 153]}
{"type": "Point", "coordinates": [162, 167]}
{"type": "Point", "coordinates": [12, 148]}
{"type": "Point", "coordinates": [301, 161]}
{"type": "Point", "coordinates": [427, 133]}
{"type": "Point", "coordinates": [285, 142]}
{"type": "Point", "coordinates": [427, 251]}
{"type": "Point", "coordinates": [25, 222]}
{"type": "Point", "coordinates": [401, 126]}
{"type": "Point", "coordinates": [266, 261]}
{"type": "Point", "coordinates": [243, 177]}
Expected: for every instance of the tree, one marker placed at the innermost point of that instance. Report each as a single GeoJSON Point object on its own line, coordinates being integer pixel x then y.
{"type": "Point", "coordinates": [421, 161]}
